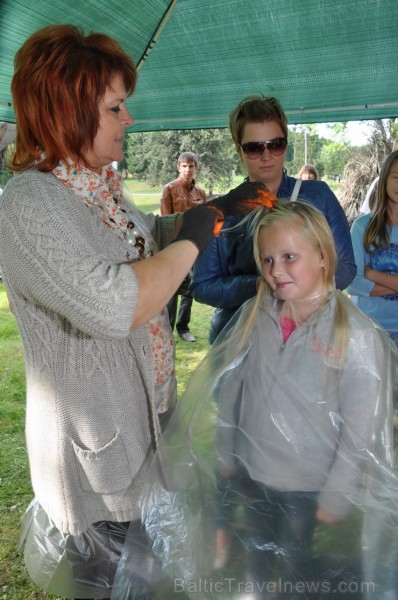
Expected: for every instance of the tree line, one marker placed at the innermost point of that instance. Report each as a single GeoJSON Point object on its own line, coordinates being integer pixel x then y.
{"type": "Point", "coordinates": [152, 156]}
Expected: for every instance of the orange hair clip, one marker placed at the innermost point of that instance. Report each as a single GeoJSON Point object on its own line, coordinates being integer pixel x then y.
{"type": "Point", "coordinates": [263, 198]}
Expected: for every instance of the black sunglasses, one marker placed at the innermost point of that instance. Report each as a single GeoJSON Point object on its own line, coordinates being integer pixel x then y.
{"type": "Point", "coordinates": [277, 146]}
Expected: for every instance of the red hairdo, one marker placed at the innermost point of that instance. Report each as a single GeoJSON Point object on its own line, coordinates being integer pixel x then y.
{"type": "Point", "coordinates": [60, 77]}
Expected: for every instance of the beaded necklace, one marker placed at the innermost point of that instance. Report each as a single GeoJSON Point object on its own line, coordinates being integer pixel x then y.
{"type": "Point", "coordinates": [103, 192]}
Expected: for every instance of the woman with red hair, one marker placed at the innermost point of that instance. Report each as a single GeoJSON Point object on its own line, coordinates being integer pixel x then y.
{"type": "Point", "coordinates": [98, 348]}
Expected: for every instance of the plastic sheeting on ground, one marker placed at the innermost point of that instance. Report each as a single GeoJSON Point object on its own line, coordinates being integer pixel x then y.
{"type": "Point", "coordinates": [72, 566]}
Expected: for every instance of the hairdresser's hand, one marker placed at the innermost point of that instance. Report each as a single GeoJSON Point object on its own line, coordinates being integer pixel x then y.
{"type": "Point", "coordinates": [242, 200]}
{"type": "Point", "coordinates": [326, 517]}
{"type": "Point", "coordinates": [198, 224]}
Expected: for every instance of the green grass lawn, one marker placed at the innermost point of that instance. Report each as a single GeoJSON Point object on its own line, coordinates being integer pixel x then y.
{"type": "Point", "coordinates": [145, 196]}
{"type": "Point", "coordinates": [15, 491]}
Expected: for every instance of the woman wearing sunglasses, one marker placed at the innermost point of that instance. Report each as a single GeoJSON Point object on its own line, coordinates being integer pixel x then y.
{"type": "Point", "coordinates": [225, 275]}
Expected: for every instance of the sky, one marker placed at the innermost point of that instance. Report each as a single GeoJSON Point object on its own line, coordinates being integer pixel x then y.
{"type": "Point", "coordinates": [358, 132]}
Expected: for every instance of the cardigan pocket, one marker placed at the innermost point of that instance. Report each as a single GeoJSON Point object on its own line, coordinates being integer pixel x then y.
{"type": "Point", "coordinates": [104, 471]}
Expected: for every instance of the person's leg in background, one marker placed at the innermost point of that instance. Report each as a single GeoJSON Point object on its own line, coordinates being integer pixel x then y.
{"type": "Point", "coordinates": [184, 317]}
{"type": "Point", "coordinates": [172, 310]}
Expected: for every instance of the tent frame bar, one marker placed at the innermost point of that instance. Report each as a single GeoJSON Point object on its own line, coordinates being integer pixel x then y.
{"type": "Point", "coordinates": [156, 34]}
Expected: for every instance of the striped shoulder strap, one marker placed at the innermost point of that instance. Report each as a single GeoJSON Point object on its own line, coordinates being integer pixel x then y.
{"type": "Point", "coordinates": [296, 190]}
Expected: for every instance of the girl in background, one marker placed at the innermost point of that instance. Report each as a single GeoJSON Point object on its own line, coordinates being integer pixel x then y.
{"type": "Point", "coordinates": [375, 241]}
{"type": "Point", "coordinates": [307, 172]}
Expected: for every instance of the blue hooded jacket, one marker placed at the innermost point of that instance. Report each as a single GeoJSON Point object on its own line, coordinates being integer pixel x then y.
{"type": "Point", "coordinates": [225, 274]}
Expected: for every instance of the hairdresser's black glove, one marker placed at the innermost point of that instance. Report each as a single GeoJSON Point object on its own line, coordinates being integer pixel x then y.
{"type": "Point", "coordinates": [201, 222]}
{"type": "Point", "coordinates": [198, 224]}
{"type": "Point", "coordinates": [242, 200]}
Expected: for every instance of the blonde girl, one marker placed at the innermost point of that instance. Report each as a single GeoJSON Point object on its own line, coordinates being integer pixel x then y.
{"type": "Point", "coordinates": [297, 403]}
{"type": "Point", "coordinates": [283, 430]}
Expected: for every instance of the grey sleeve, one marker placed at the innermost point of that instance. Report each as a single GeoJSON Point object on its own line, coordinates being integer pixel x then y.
{"type": "Point", "coordinates": [365, 401]}
{"type": "Point", "coordinates": [47, 261]}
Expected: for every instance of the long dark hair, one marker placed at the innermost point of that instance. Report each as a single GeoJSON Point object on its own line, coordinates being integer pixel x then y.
{"type": "Point", "coordinates": [377, 233]}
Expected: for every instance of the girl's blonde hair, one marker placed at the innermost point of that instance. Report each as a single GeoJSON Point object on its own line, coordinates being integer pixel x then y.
{"type": "Point", "coordinates": [377, 233]}
{"type": "Point", "coordinates": [312, 225]}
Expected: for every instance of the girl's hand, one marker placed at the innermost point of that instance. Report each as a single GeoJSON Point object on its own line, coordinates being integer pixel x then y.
{"type": "Point", "coordinates": [227, 472]}
{"type": "Point", "coordinates": [326, 517]}
{"type": "Point", "coordinates": [385, 284]}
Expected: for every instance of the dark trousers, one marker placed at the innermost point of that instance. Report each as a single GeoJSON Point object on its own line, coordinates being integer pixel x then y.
{"type": "Point", "coordinates": [140, 574]}
{"type": "Point", "coordinates": [184, 314]}
{"type": "Point", "coordinates": [279, 541]}
{"type": "Point", "coordinates": [279, 532]}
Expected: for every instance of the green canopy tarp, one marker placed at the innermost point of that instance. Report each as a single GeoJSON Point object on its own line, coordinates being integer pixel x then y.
{"type": "Point", "coordinates": [326, 60]}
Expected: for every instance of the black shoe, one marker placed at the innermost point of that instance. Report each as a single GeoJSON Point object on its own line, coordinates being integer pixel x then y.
{"type": "Point", "coordinates": [187, 336]}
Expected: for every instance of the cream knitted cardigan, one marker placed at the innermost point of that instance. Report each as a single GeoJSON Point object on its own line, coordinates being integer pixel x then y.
{"type": "Point", "coordinates": [91, 427]}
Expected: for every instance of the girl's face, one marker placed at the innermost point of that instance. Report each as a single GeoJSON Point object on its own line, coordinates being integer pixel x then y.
{"type": "Point", "coordinates": [290, 264]}
{"type": "Point", "coordinates": [392, 183]}
{"type": "Point", "coordinates": [268, 167]}
{"type": "Point", "coordinates": [308, 175]}
{"type": "Point", "coordinates": [114, 118]}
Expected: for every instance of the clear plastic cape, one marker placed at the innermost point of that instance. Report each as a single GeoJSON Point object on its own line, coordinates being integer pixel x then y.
{"type": "Point", "coordinates": [256, 442]}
